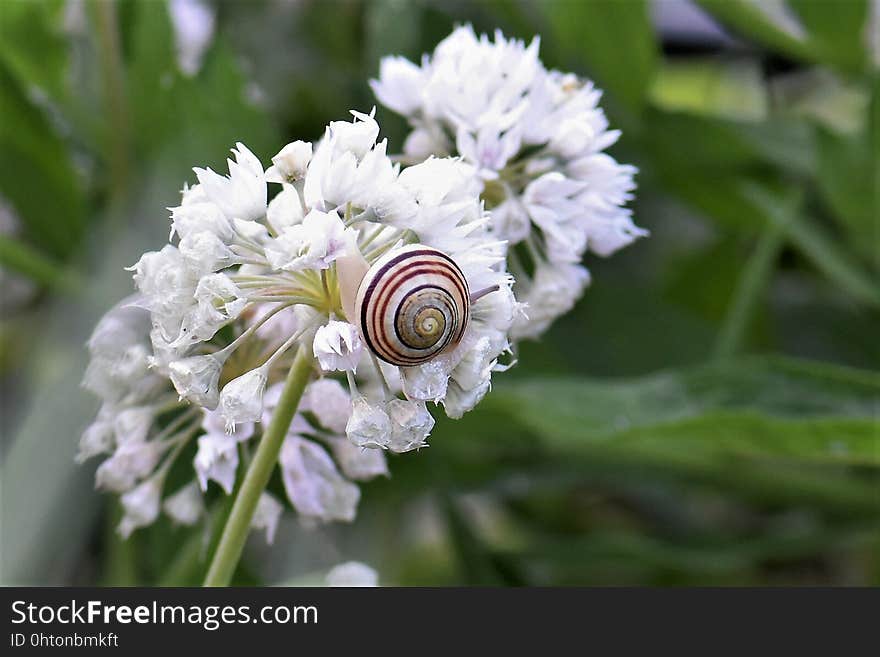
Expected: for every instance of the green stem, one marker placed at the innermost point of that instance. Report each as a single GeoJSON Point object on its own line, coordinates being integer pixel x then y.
{"type": "Point", "coordinates": [26, 260]}
{"type": "Point", "coordinates": [238, 525]}
{"type": "Point", "coordinates": [113, 72]}
{"type": "Point", "coordinates": [749, 291]}
{"type": "Point", "coordinates": [121, 564]}
{"type": "Point", "coordinates": [183, 568]}
{"type": "Point", "coordinates": [835, 263]}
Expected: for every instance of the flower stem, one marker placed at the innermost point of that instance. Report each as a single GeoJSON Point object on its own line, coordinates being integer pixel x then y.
{"type": "Point", "coordinates": [113, 71]}
{"type": "Point", "coordinates": [235, 532]}
{"type": "Point", "coordinates": [749, 292]}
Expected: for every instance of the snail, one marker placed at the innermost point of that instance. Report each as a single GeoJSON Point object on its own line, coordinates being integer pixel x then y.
{"type": "Point", "coordinates": [412, 304]}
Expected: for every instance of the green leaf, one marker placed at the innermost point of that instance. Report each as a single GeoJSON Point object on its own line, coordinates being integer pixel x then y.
{"type": "Point", "coordinates": [812, 241]}
{"type": "Point", "coordinates": [725, 88]}
{"type": "Point", "coordinates": [699, 440]}
{"type": "Point", "coordinates": [473, 559]}
{"type": "Point", "coordinates": [393, 27]}
{"type": "Point", "coordinates": [614, 41]}
{"type": "Point", "coordinates": [751, 22]}
{"type": "Point", "coordinates": [836, 30]}
{"type": "Point", "coordinates": [846, 183]}
{"type": "Point", "coordinates": [613, 556]}
{"type": "Point", "coordinates": [833, 29]}
{"type": "Point", "coordinates": [767, 407]}
{"type": "Point", "coordinates": [36, 172]}
{"type": "Point", "coordinates": [33, 46]}
{"type": "Point", "coordinates": [739, 203]}
{"type": "Point", "coordinates": [20, 257]}
{"type": "Point", "coordinates": [825, 98]}
{"type": "Point", "coordinates": [209, 109]}
{"type": "Point", "coordinates": [753, 283]}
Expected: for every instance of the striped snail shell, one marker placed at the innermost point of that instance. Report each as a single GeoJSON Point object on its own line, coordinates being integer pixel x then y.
{"type": "Point", "coordinates": [412, 304]}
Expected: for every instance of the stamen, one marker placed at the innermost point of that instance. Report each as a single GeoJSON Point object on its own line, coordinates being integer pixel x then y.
{"type": "Point", "coordinates": [288, 344]}
{"type": "Point", "coordinates": [177, 422]}
{"type": "Point", "coordinates": [250, 330]}
{"type": "Point", "coordinates": [479, 294]}
{"type": "Point", "coordinates": [179, 441]}
{"type": "Point", "coordinates": [352, 386]}
{"type": "Point", "coordinates": [381, 374]}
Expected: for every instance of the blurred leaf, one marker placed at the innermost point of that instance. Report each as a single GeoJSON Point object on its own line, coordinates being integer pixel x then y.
{"type": "Point", "coordinates": [742, 433]}
{"type": "Point", "coordinates": [473, 559]}
{"type": "Point", "coordinates": [717, 195]}
{"type": "Point", "coordinates": [752, 286]}
{"type": "Point", "coordinates": [393, 27]}
{"type": "Point", "coordinates": [768, 394]}
{"type": "Point", "coordinates": [687, 285]}
{"type": "Point", "coordinates": [725, 88]}
{"type": "Point", "coordinates": [812, 241]}
{"type": "Point", "coordinates": [121, 563]}
{"type": "Point", "coordinates": [615, 41]}
{"type": "Point", "coordinates": [697, 142]}
{"type": "Point", "coordinates": [744, 205]}
{"type": "Point", "coordinates": [782, 142]}
{"type": "Point", "coordinates": [846, 183]}
{"type": "Point", "coordinates": [616, 557]}
{"type": "Point", "coordinates": [751, 22]}
{"type": "Point", "coordinates": [688, 145]}
{"type": "Point", "coordinates": [836, 29]}
{"type": "Point", "coordinates": [32, 45]}
{"type": "Point", "coordinates": [835, 263]}
{"type": "Point", "coordinates": [36, 173]}
{"type": "Point", "coordinates": [823, 97]}
{"type": "Point", "coordinates": [25, 260]}
{"type": "Point", "coordinates": [209, 109]}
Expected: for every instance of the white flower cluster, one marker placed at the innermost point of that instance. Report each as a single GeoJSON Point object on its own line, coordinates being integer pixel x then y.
{"type": "Point", "coordinates": [534, 139]}
{"type": "Point", "coordinates": [394, 283]}
{"type": "Point", "coordinates": [203, 350]}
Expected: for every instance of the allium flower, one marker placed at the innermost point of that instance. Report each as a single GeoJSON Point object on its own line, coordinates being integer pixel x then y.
{"type": "Point", "coordinates": [217, 460]}
{"type": "Point", "coordinates": [267, 515]}
{"type": "Point", "coordinates": [533, 139]}
{"type": "Point", "coordinates": [314, 485]}
{"type": "Point", "coordinates": [262, 265]}
{"type": "Point", "coordinates": [141, 505]}
{"type": "Point", "coordinates": [193, 22]}
{"type": "Point", "coordinates": [337, 346]}
{"type": "Point", "coordinates": [186, 506]}
{"type": "Point", "coordinates": [352, 573]}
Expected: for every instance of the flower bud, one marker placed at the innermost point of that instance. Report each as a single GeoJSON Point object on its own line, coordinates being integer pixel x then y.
{"type": "Point", "coordinates": [141, 506]}
{"type": "Point", "coordinates": [352, 573]}
{"type": "Point", "coordinates": [369, 424]}
{"type": "Point", "coordinates": [313, 484]}
{"type": "Point", "coordinates": [217, 459]}
{"type": "Point", "coordinates": [266, 516]}
{"type": "Point", "coordinates": [196, 379]}
{"type": "Point", "coordinates": [186, 506]}
{"type": "Point", "coordinates": [290, 163]}
{"type": "Point", "coordinates": [411, 424]}
{"type": "Point", "coordinates": [338, 347]}
{"type": "Point", "coordinates": [241, 400]}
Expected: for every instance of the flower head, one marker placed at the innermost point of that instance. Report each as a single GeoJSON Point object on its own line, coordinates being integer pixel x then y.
{"type": "Point", "coordinates": [533, 140]}
{"type": "Point", "coordinates": [201, 354]}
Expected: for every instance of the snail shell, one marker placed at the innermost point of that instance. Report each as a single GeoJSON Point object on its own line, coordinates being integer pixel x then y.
{"type": "Point", "coordinates": [412, 304]}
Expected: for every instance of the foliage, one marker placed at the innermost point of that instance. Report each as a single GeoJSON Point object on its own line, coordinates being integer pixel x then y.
{"type": "Point", "coordinates": [709, 463]}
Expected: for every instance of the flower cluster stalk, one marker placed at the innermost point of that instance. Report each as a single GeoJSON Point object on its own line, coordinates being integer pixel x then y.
{"type": "Point", "coordinates": [235, 532]}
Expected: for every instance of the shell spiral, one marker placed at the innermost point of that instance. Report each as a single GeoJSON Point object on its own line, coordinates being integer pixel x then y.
{"type": "Point", "coordinates": [412, 304]}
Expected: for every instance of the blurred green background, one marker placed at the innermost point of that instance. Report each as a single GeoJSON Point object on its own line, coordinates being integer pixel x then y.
{"type": "Point", "coordinates": [707, 415]}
